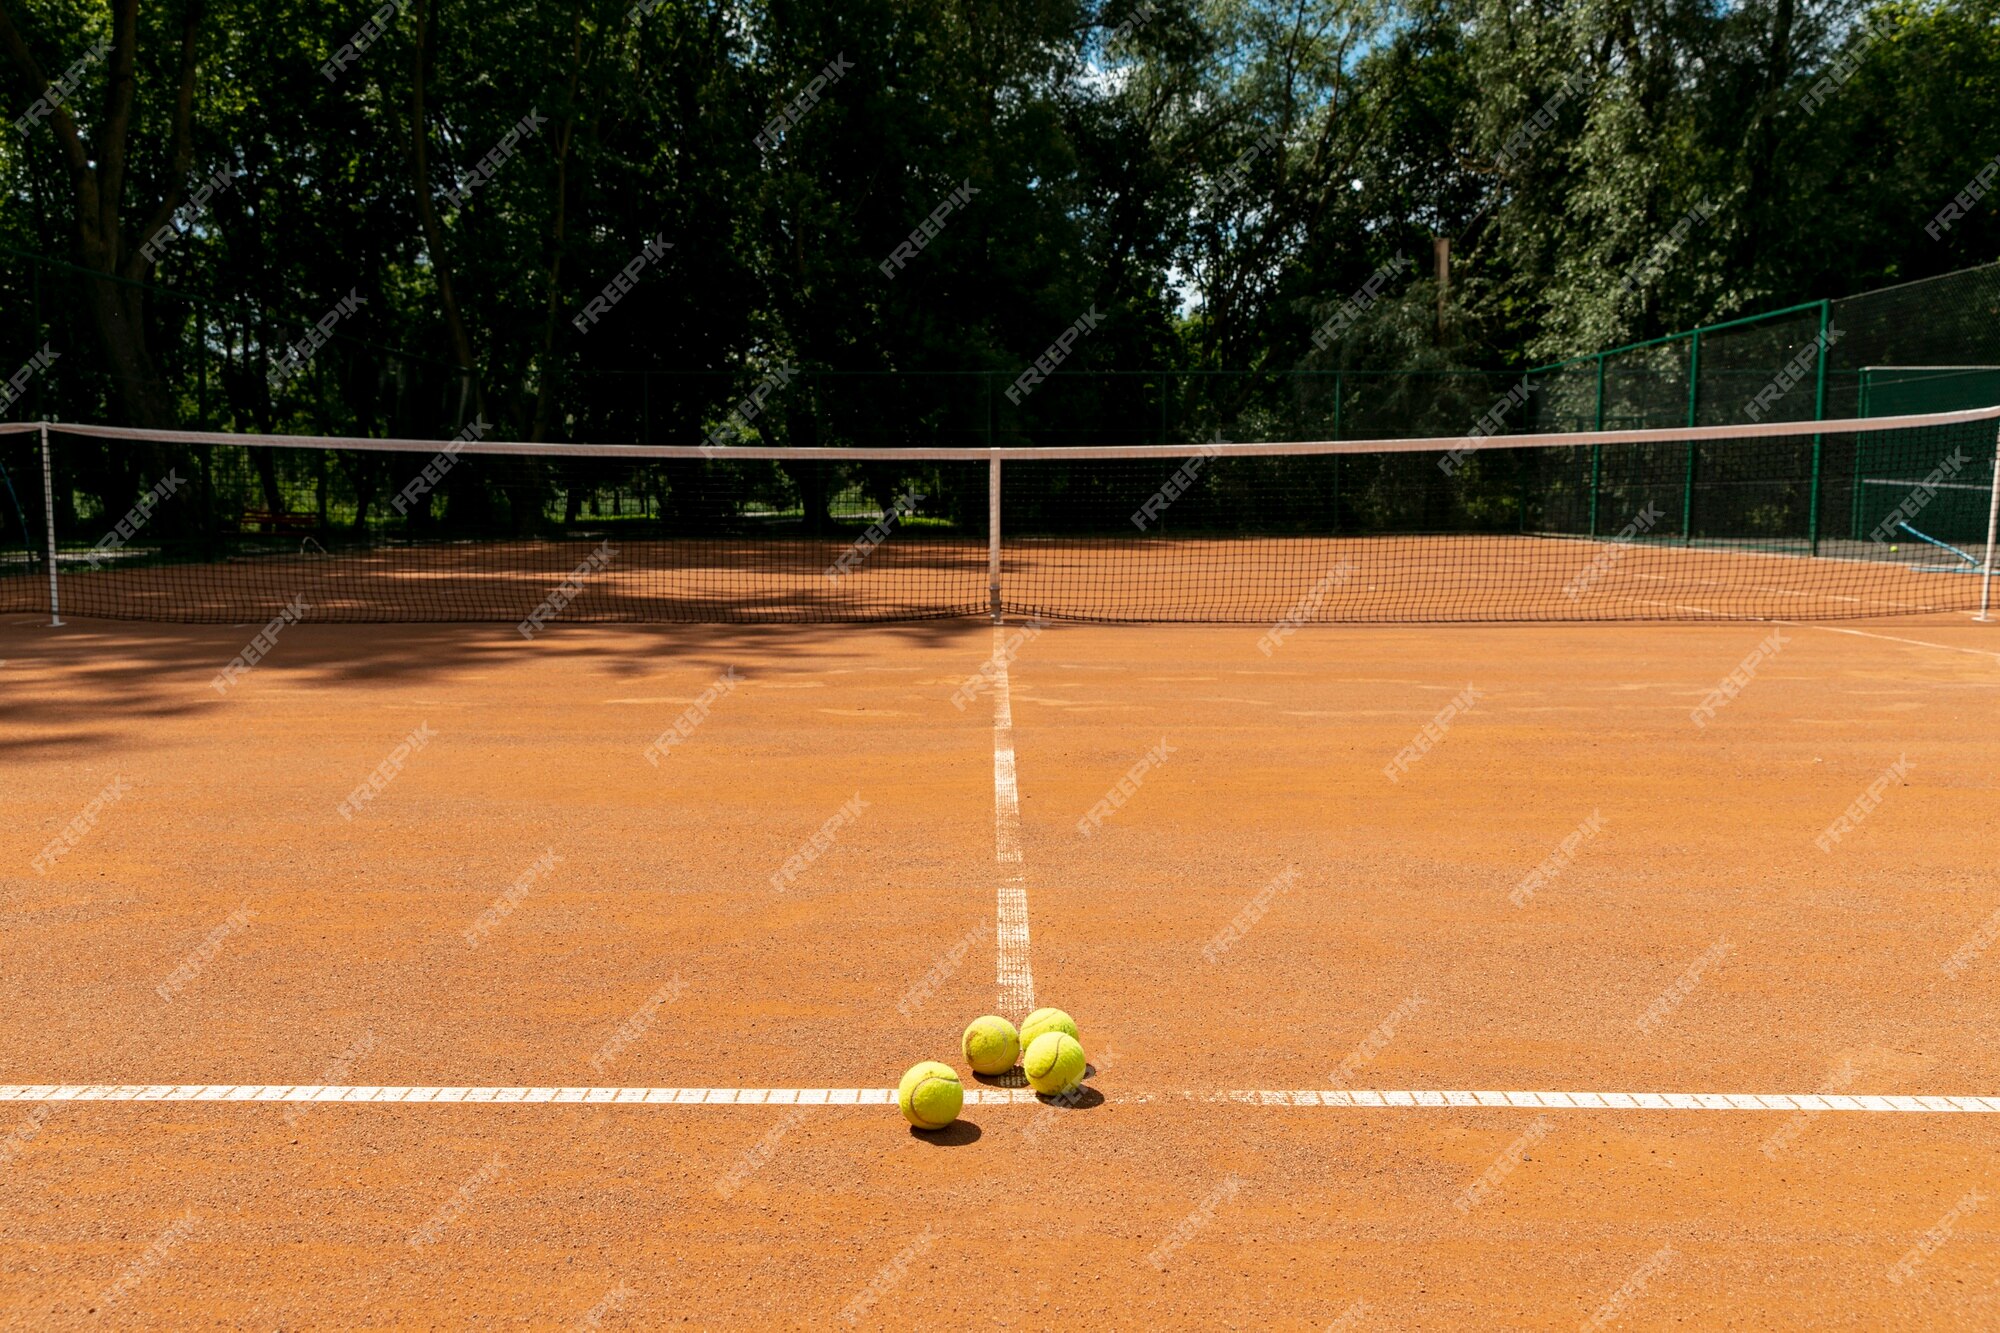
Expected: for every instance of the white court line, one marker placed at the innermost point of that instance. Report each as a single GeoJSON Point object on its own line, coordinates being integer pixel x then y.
{"type": "Point", "coordinates": [1624, 1101]}
{"type": "Point", "coordinates": [1887, 605]}
{"type": "Point", "coordinates": [1424, 1099]}
{"type": "Point", "coordinates": [1921, 643]}
{"type": "Point", "coordinates": [409, 1095]}
{"type": "Point", "coordinates": [1017, 980]}
{"type": "Point", "coordinates": [1676, 606]}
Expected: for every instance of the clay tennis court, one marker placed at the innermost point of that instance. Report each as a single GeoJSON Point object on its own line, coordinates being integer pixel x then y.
{"type": "Point", "coordinates": [1727, 1077]}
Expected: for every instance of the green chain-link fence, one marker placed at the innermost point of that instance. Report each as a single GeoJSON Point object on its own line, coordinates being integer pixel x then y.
{"type": "Point", "coordinates": [1927, 346]}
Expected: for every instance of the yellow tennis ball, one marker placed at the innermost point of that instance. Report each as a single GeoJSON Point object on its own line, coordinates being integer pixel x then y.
{"type": "Point", "coordinates": [991, 1045]}
{"type": "Point", "coordinates": [930, 1095]}
{"type": "Point", "coordinates": [1047, 1020]}
{"type": "Point", "coordinates": [1054, 1063]}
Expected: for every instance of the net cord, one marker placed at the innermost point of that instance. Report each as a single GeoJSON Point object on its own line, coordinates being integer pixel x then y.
{"type": "Point", "coordinates": [1431, 444]}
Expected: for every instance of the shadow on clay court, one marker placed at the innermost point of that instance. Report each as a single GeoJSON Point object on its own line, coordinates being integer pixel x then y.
{"type": "Point", "coordinates": [955, 1135]}
{"type": "Point", "coordinates": [115, 673]}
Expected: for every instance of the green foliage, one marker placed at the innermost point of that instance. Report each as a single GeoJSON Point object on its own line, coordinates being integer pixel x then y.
{"type": "Point", "coordinates": [1216, 178]}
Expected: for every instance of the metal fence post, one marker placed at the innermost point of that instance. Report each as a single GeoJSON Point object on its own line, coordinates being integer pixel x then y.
{"type": "Point", "coordinates": [1819, 414]}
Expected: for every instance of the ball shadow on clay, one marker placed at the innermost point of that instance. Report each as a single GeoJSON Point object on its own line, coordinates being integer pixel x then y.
{"type": "Point", "coordinates": [955, 1135]}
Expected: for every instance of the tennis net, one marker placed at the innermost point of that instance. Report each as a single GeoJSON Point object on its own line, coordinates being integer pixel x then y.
{"type": "Point", "coordinates": [1879, 516]}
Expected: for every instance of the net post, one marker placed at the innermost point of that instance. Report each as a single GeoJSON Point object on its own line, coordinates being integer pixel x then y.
{"type": "Point", "coordinates": [1992, 537]}
{"type": "Point", "coordinates": [993, 536]}
{"type": "Point", "coordinates": [49, 517]}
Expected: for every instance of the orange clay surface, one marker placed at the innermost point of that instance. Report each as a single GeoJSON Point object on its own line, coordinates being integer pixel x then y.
{"type": "Point", "coordinates": [1146, 1204]}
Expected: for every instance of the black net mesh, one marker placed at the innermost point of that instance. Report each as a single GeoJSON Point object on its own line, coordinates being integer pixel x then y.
{"type": "Point", "coordinates": [974, 409]}
{"type": "Point", "coordinates": [210, 528]}
{"type": "Point", "coordinates": [1762, 370]}
{"type": "Point", "coordinates": [218, 531]}
{"type": "Point", "coordinates": [1500, 533]}
{"type": "Point", "coordinates": [1396, 406]}
{"type": "Point", "coordinates": [1566, 397]}
{"type": "Point", "coordinates": [22, 535]}
{"type": "Point", "coordinates": [1925, 346]}
{"type": "Point", "coordinates": [1647, 388]}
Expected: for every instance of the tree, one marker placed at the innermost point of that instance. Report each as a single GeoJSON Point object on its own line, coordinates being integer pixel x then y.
{"type": "Point", "coordinates": [140, 150]}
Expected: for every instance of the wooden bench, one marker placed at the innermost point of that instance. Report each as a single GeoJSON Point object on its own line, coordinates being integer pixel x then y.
{"type": "Point", "coordinates": [269, 521]}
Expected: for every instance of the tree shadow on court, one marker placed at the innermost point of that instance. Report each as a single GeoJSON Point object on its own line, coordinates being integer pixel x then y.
{"type": "Point", "coordinates": [95, 683]}
{"type": "Point", "coordinates": [955, 1135]}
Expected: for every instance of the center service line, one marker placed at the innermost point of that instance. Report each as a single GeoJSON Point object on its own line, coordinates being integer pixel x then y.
{"type": "Point", "coordinates": [1017, 981]}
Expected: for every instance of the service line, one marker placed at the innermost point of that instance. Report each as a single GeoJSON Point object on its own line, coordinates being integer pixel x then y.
{"type": "Point", "coordinates": [1349, 1099]}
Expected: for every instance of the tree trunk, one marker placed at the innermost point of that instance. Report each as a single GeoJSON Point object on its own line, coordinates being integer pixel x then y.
{"type": "Point", "coordinates": [558, 239]}
{"type": "Point", "coordinates": [97, 179]}
{"type": "Point", "coordinates": [420, 161]}
{"type": "Point", "coordinates": [119, 316]}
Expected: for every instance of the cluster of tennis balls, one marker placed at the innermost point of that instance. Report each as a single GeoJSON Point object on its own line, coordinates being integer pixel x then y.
{"type": "Point", "coordinates": [1047, 1047]}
